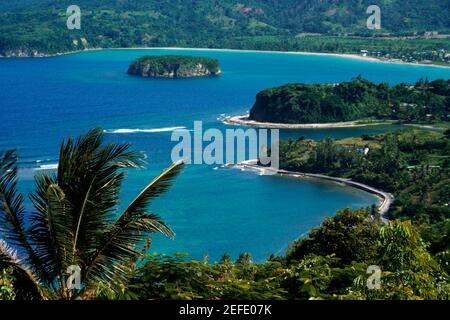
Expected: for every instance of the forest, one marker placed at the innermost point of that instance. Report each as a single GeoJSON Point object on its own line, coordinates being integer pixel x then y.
{"type": "Point", "coordinates": [414, 165]}
{"type": "Point", "coordinates": [358, 99]}
{"type": "Point", "coordinates": [30, 27]}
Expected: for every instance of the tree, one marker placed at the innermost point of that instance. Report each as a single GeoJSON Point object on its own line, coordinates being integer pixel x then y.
{"type": "Point", "coordinates": [244, 259]}
{"type": "Point", "coordinates": [6, 287]}
{"type": "Point", "coordinates": [408, 270]}
{"type": "Point", "coordinates": [350, 236]}
{"type": "Point", "coordinates": [447, 133]}
{"type": "Point", "coordinates": [74, 219]}
{"type": "Point", "coordinates": [310, 278]}
{"type": "Point", "coordinates": [326, 155]}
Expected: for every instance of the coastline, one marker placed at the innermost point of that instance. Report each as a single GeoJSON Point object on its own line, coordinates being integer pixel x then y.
{"type": "Point", "coordinates": [339, 55]}
{"type": "Point", "coordinates": [244, 121]}
{"type": "Point", "coordinates": [385, 199]}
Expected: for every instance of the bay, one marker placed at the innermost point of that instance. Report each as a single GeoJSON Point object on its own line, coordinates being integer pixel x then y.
{"type": "Point", "coordinates": [212, 210]}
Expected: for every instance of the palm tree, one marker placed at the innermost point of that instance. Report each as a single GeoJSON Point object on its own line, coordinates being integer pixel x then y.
{"type": "Point", "coordinates": [75, 221]}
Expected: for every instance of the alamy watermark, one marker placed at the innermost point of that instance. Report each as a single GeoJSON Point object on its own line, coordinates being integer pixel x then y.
{"type": "Point", "coordinates": [374, 20]}
{"type": "Point", "coordinates": [74, 279]}
{"type": "Point", "coordinates": [74, 19]}
{"type": "Point", "coordinates": [213, 146]}
{"type": "Point", "coordinates": [374, 280]}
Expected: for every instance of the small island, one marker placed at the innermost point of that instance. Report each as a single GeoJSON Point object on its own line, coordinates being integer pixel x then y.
{"type": "Point", "coordinates": [174, 66]}
{"type": "Point", "coordinates": [354, 103]}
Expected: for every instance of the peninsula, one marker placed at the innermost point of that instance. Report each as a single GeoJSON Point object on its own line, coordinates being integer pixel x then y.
{"type": "Point", "coordinates": [358, 102]}
{"type": "Point", "coordinates": [174, 66]}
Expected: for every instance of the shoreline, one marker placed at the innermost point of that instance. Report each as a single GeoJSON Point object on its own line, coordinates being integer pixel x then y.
{"type": "Point", "coordinates": [307, 53]}
{"type": "Point", "coordinates": [385, 199]}
{"type": "Point", "coordinates": [243, 121]}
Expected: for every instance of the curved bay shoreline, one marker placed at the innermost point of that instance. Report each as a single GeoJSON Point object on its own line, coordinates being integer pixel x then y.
{"type": "Point", "coordinates": [385, 199]}
{"type": "Point", "coordinates": [340, 55]}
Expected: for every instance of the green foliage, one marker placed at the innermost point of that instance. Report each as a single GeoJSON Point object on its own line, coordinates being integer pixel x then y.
{"type": "Point", "coordinates": [178, 277]}
{"type": "Point", "coordinates": [310, 278]}
{"type": "Point", "coordinates": [309, 271]}
{"type": "Point", "coordinates": [350, 236]}
{"type": "Point", "coordinates": [408, 270]}
{"type": "Point", "coordinates": [6, 285]}
{"type": "Point", "coordinates": [415, 49]}
{"type": "Point", "coordinates": [409, 163]}
{"type": "Point", "coordinates": [358, 99]}
{"type": "Point", "coordinates": [292, 25]}
{"type": "Point", "coordinates": [447, 133]}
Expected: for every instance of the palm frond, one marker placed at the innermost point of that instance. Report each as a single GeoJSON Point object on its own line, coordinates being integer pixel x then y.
{"type": "Point", "coordinates": [12, 227]}
{"type": "Point", "coordinates": [120, 245]}
{"type": "Point", "coordinates": [74, 217]}
{"type": "Point", "coordinates": [11, 201]}
{"type": "Point", "coordinates": [41, 229]}
{"type": "Point", "coordinates": [26, 286]}
{"type": "Point", "coordinates": [113, 263]}
{"type": "Point", "coordinates": [60, 227]}
{"type": "Point", "coordinates": [89, 179]}
{"type": "Point", "coordinates": [89, 175]}
{"type": "Point", "coordinates": [155, 189]}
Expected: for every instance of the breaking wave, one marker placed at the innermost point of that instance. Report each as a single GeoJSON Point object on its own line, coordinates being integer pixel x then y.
{"type": "Point", "coordinates": [52, 166]}
{"type": "Point", "coordinates": [154, 130]}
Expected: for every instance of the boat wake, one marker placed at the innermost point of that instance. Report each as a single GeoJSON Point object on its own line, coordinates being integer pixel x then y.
{"type": "Point", "coordinates": [39, 164]}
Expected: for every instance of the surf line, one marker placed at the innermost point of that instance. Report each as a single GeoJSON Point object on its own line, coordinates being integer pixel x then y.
{"type": "Point", "coordinates": [151, 130]}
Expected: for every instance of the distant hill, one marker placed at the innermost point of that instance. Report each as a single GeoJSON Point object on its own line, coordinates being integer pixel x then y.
{"type": "Point", "coordinates": [29, 25]}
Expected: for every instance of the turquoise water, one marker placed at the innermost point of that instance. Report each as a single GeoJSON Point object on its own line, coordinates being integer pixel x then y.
{"type": "Point", "coordinates": [212, 210]}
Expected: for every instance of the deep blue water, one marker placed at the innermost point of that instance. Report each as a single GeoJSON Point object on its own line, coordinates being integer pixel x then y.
{"type": "Point", "coordinates": [212, 210]}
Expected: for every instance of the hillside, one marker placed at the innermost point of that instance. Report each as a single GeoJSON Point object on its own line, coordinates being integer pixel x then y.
{"type": "Point", "coordinates": [414, 165]}
{"type": "Point", "coordinates": [354, 100]}
{"type": "Point", "coordinates": [40, 26]}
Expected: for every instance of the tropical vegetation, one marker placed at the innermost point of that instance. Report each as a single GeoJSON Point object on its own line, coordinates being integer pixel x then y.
{"type": "Point", "coordinates": [422, 102]}
{"type": "Point", "coordinates": [32, 27]}
{"type": "Point", "coordinates": [174, 66]}
{"type": "Point", "coordinates": [330, 263]}
{"type": "Point", "coordinates": [412, 164]}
